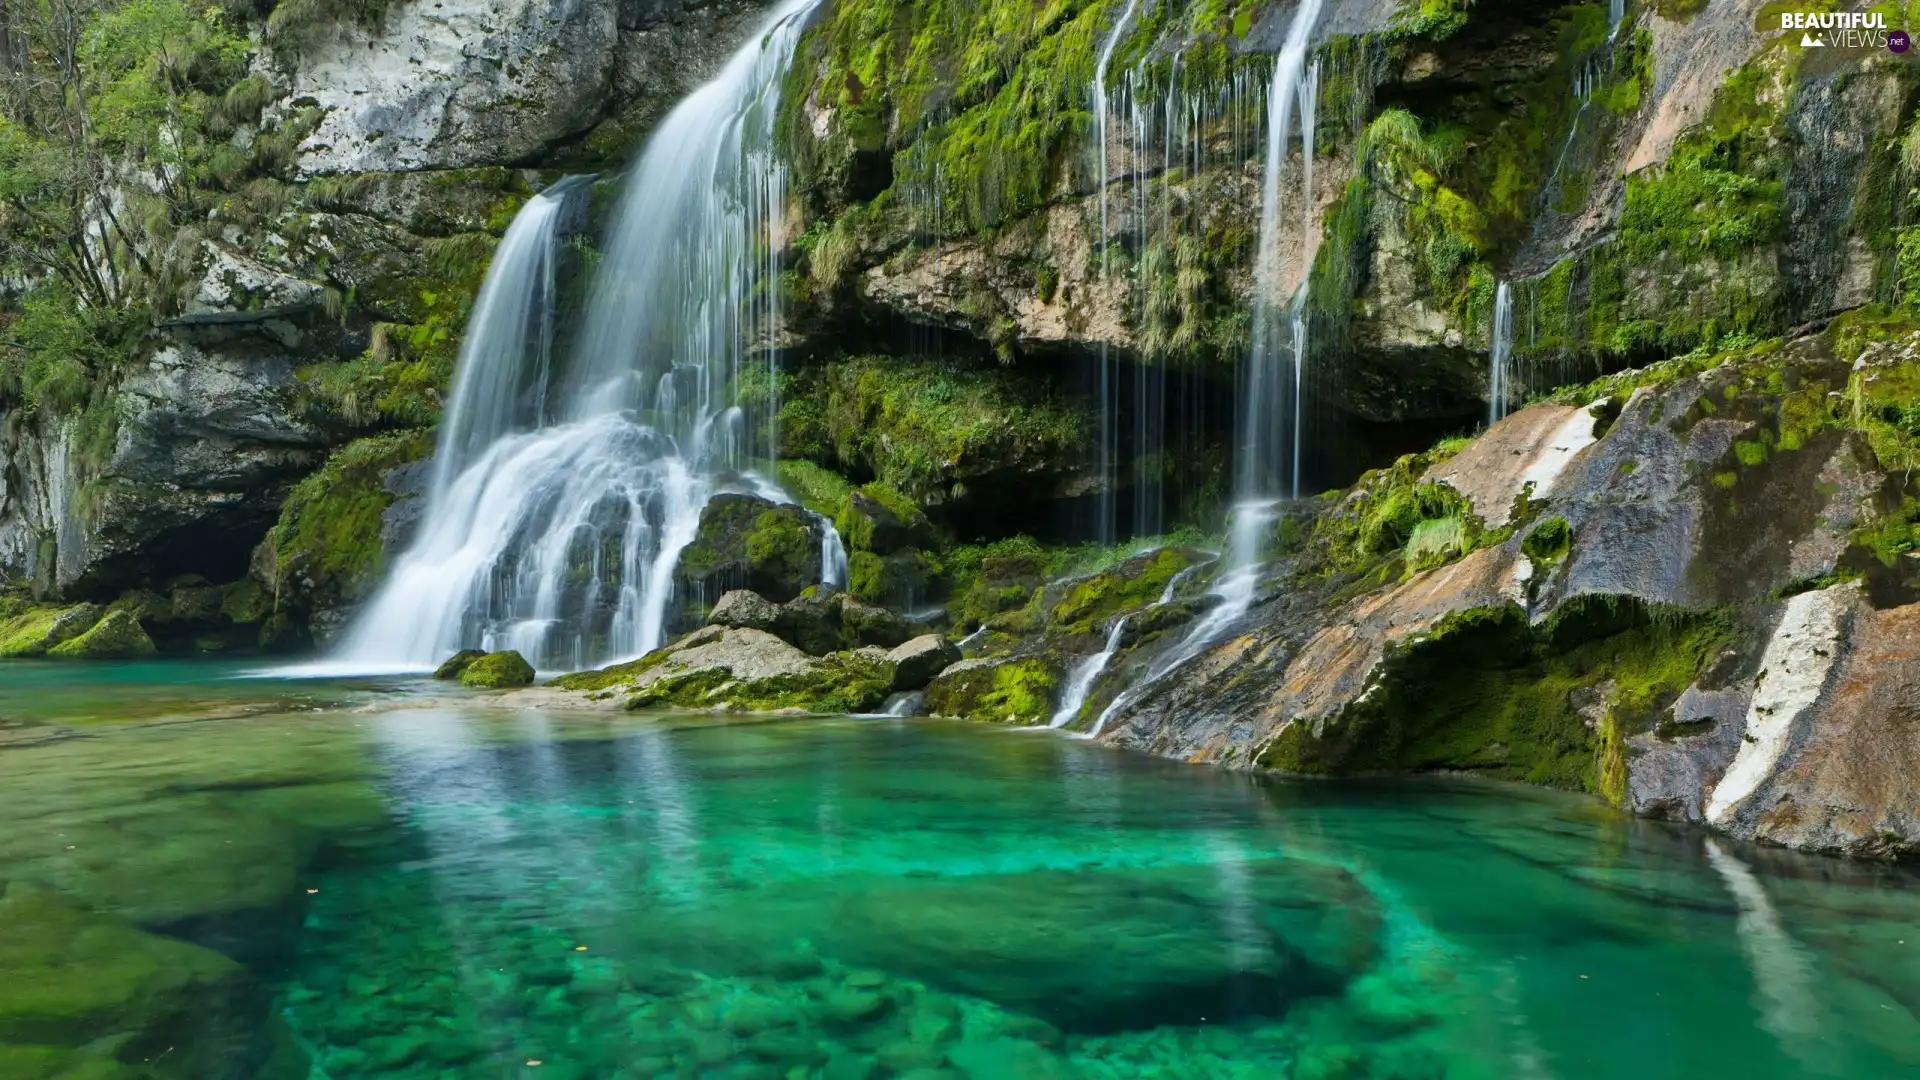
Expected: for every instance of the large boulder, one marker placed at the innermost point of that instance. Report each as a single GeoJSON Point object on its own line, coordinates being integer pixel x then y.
{"type": "Point", "coordinates": [743, 609]}
{"type": "Point", "coordinates": [748, 542]}
{"type": "Point", "coordinates": [1021, 691]}
{"type": "Point", "coordinates": [812, 622]}
{"type": "Point", "coordinates": [916, 663]}
{"type": "Point", "coordinates": [742, 670]}
{"type": "Point", "coordinates": [497, 671]}
{"type": "Point", "coordinates": [456, 665]}
{"type": "Point", "coordinates": [879, 519]}
{"type": "Point", "coordinates": [32, 630]}
{"type": "Point", "coordinates": [119, 636]}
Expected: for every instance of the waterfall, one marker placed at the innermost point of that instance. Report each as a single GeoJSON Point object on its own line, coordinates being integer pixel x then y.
{"type": "Point", "coordinates": [1502, 355]}
{"type": "Point", "coordinates": [833, 555]}
{"type": "Point", "coordinates": [561, 540]}
{"type": "Point", "coordinates": [1264, 438]}
{"type": "Point", "coordinates": [500, 382]}
{"type": "Point", "coordinates": [1616, 14]}
{"type": "Point", "coordinates": [1084, 676]}
{"type": "Point", "coordinates": [1107, 526]}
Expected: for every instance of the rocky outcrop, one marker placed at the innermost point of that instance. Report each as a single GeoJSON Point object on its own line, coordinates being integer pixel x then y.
{"type": "Point", "coordinates": [742, 670]}
{"type": "Point", "coordinates": [1671, 598]}
{"type": "Point", "coordinates": [433, 86]}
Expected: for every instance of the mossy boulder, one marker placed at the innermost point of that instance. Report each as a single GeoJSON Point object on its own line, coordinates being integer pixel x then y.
{"type": "Point", "coordinates": [119, 636]}
{"type": "Point", "coordinates": [905, 577]}
{"type": "Point", "coordinates": [747, 542]}
{"type": "Point", "coordinates": [1129, 586]}
{"type": "Point", "coordinates": [746, 610]}
{"type": "Point", "coordinates": [879, 519]}
{"type": "Point", "coordinates": [38, 629]}
{"type": "Point", "coordinates": [995, 578]}
{"type": "Point", "coordinates": [866, 624]}
{"type": "Point", "coordinates": [812, 623]}
{"type": "Point", "coordinates": [70, 979]}
{"type": "Point", "coordinates": [1019, 690]}
{"type": "Point", "coordinates": [328, 550]}
{"type": "Point", "coordinates": [457, 664]}
{"type": "Point", "coordinates": [497, 671]}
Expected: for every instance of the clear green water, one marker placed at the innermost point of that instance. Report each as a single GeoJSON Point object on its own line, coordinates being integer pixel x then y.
{"type": "Point", "coordinates": [438, 890]}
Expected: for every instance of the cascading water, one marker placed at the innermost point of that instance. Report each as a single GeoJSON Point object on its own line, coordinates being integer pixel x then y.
{"type": "Point", "coordinates": [833, 556]}
{"type": "Point", "coordinates": [1107, 527]}
{"type": "Point", "coordinates": [561, 540]}
{"type": "Point", "coordinates": [1501, 358]}
{"type": "Point", "coordinates": [1084, 676]}
{"type": "Point", "coordinates": [1266, 443]}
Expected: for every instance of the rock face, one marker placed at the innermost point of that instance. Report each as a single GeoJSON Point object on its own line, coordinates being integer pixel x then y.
{"type": "Point", "coordinates": [208, 434]}
{"type": "Point", "coordinates": [447, 86]}
{"type": "Point", "coordinates": [918, 662]}
{"type": "Point", "coordinates": [1617, 623]}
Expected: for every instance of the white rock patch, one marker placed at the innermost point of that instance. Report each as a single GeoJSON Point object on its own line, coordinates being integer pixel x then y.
{"type": "Point", "coordinates": [1803, 650]}
{"type": "Point", "coordinates": [1571, 437]}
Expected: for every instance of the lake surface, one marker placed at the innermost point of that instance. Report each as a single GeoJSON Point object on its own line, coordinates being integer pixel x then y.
{"type": "Point", "coordinates": [435, 888]}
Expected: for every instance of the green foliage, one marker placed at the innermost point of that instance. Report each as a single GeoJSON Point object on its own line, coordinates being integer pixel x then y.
{"type": "Point", "coordinates": [1369, 537]}
{"type": "Point", "coordinates": [292, 20]}
{"type": "Point", "coordinates": [1433, 20]}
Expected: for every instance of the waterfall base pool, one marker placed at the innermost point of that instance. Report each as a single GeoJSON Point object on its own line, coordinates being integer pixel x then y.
{"type": "Point", "coordinates": [399, 886]}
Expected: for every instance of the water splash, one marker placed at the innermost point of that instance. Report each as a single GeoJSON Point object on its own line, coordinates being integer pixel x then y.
{"type": "Point", "coordinates": [1501, 358]}
{"type": "Point", "coordinates": [562, 541]}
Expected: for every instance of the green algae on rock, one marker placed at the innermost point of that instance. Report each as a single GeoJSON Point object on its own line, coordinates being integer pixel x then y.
{"type": "Point", "coordinates": [457, 664]}
{"type": "Point", "coordinates": [496, 671]}
{"type": "Point", "coordinates": [118, 636]}
{"type": "Point", "coordinates": [38, 629]}
{"type": "Point", "coordinates": [1018, 691]}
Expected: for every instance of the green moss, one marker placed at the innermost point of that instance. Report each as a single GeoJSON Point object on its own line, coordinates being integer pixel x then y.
{"type": "Point", "coordinates": [990, 579]}
{"type": "Point", "coordinates": [923, 425]}
{"type": "Point", "coordinates": [612, 678]}
{"type": "Point", "coordinates": [326, 545]}
{"type": "Point", "coordinates": [32, 630]}
{"type": "Point", "coordinates": [1017, 691]}
{"type": "Point", "coordinates": [1549, 542]}
{"type": "Point", "coordinates": [118, 636]}
{"type": "Point", "coordinates": [781, 547]}
{"type": "Point", "coordinates": [901, 578]}
{"type": "Point", "coordinates": [497, 671]}
{"type": "Point", "coordinates": [1486, 692]}
{"type": "Point", "coordinates": [840, 683]}
{"type": "Point", "coordinates": [820, 490]}
{"type": "Point", "coordinates": [1129, 586]}
{"type": "Point", "coordinates": [456, 664]}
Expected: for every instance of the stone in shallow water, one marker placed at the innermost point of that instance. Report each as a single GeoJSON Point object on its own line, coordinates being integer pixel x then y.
{"type": "Point", "coordinates": [118, 636]}
{"type": "Point", "coordinates": [71, 978]}
{"type": "Point", "coordinates": [456, 664]}
{"type": "Point", "coordinates": [498, 671]}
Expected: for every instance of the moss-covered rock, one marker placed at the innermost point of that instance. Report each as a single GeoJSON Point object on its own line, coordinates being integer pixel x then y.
{"type": "Point", "coordinates": [497, 671]}
{"type": "Point", "coordinates": [326, 553]}
{"type": "Point", "coordinates": [1127, 586]}
{"type": "Point", "coordinates": [748, 542]}
{"type": "Point", "coordinates": [917, 662]}
{"type": "Point", "coordinates": [812, 622]}
{"type": "Point", "coordinates": [71, 978]}
{"type": "Point", "coordinates": [118, 636]}
{"type": "Point", "coordinates": [457, 664]}
{"type": "Point", "coordinates": [905, 578]}
{"type": "Point", "coordinates": [865, 624]}
{"type": "Point", "coordinates": [39, 629]}
{"type": "Point", "coordinates": [1004, 691]}
{"type": "Point", "coordinates": [881, 520]}
{"type": "Point", "coordinates": [743, 670]}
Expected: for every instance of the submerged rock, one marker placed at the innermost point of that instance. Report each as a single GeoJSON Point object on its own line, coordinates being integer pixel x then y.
{"type": "Point", "coordinates": [457, 664]}
{"type": "Point", "coordinates": [497, 671]}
